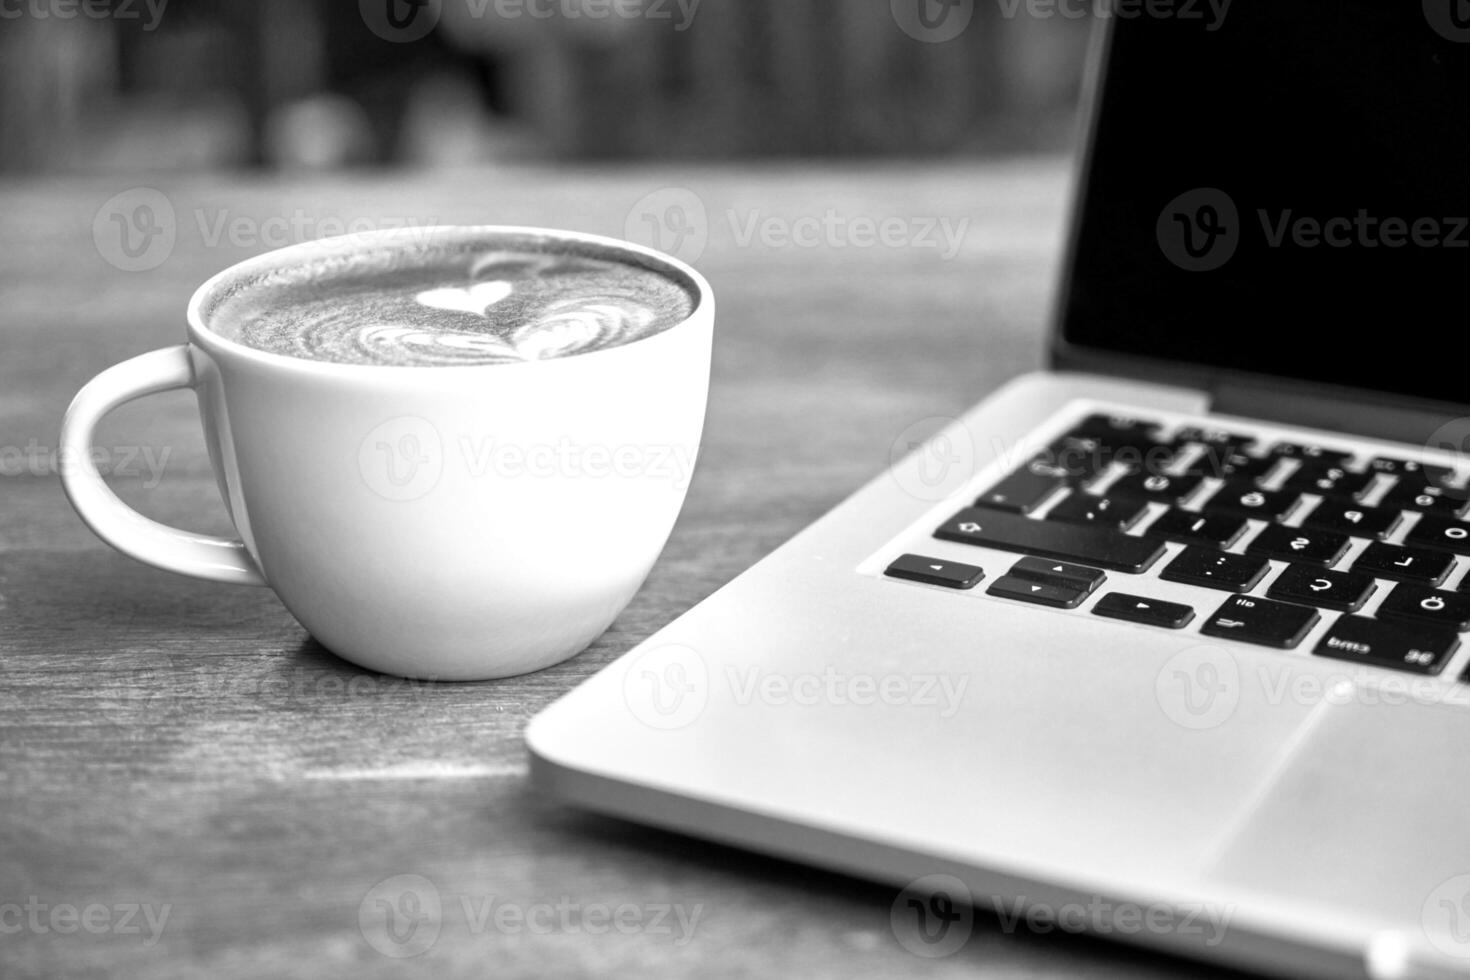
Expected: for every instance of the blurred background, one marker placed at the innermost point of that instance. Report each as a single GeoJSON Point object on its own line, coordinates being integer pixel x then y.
{"type": "Point", "coordinates": [99, 86]}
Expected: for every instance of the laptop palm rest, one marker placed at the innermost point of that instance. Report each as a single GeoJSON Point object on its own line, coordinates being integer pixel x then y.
{"type": "Point", "coordinates": [1366, 813]}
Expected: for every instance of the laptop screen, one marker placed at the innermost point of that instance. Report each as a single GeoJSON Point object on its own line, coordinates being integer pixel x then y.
{"type": "Point", "coordinates": [1283, 188]}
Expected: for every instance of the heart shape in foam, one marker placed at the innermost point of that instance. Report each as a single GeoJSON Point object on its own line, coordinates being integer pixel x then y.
{"type": "Point", "coordinates": [476, 299]}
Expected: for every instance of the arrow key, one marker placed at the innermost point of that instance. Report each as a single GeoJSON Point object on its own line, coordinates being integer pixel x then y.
{"type": "Point", "coordinates": [933, 571]}
{"type": "Point", "coordinates": [1309, 586]}
{"type": "Point", "coordinates": [1041, 593]}
{"type": "Point", "coordinates": [1060, 573]}
{"type": "Point", "coordinates": [1310, 547]}
{"type": "Point", "coordinates": [1149, 612]}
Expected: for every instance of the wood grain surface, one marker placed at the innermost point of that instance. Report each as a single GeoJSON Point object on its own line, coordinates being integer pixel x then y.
{"type": "Point", "coordinates": [184, 749]}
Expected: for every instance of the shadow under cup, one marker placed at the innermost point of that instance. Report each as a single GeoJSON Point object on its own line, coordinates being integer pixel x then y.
{"type": "Point", "coordinates": [453, 521]}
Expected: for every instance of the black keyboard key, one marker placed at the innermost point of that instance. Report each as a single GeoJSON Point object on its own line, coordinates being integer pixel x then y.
{"type": "Point", "coordinates": [1117, 432]}
{"type": "Point", "coordinates": [1022, 492]}
{"type": "Point", "coordinates": [1233, 465]}
{"type": "Point", "coordinates": [1354, 519]}
{"type": "Point", "coordinates": [1441, 476]}
{"type": "Point", "coordinates": [1050, 463]}
{"type": "Point", "coordinates": [1101, 440]}
{"type": "Point", "coordinates": [1216, 569]}
{"type": "Point", "coordinates": [1429, 607]}
{"type": "Point", "coordinates": [1261, 621]}
{"type": "Point", "coordinates": [1157, 488]}
{"type": "Point", "coordinates": [1415, 494]}
{"type": "Point", "coordinates": [1438, 532]}
{"type": "Point", "coordinates": [1329, 481]}
{"type": "Point", "coordinates": [1388, 644]}
{"type": "Point", "coordinates": [1405, 564]}
{"type": "Point", "coordinates": [1120, 513]}
{"type": "Point", "coordinates": [1149, 612]}
{"type": "Point", "coordinates": [1098, 546]}
{"type": "Point", "coordinates": [1214, 438]}
{"type": "Point", "coordinates": [1310, 452]}
{"type": "Point", "coordinates": [1299, 544]}
{"type": "Point", "coordinates": [1158, 461]}
{"type": "Point", "coordinates": [1309, 586]}
{"type": "Point", "coordinates": [1040, 593]}
{"type": "Point", "coordinates": [1245, 500]}
{"type": "Point", "coordinates": [934, 571]}
{"type": "Point", "coordinates": [1060, 573]}
{"type": "Point", "coordinates": [1187, 527]}
{"type": "Point", "coordinates": [1074, 459]}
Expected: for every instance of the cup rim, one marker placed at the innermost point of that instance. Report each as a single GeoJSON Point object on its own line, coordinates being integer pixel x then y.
{"type": "Point", "coordinates": [205, 337]}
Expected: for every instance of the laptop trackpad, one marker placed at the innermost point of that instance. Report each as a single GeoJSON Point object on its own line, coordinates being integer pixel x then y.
{"type": "Point", "coordinates": [1369, 815]}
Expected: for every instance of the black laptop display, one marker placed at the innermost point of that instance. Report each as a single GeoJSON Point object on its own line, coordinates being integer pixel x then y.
{"type": "Point", "coordinates": [1284, 190]}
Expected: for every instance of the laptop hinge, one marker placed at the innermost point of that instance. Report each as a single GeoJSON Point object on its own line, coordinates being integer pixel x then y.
{"type": "Point", "coordinates": [1353, 413]}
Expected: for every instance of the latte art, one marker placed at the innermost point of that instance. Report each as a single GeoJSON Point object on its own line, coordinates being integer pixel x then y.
{"type": "Point", "coordinates": [500, 305]}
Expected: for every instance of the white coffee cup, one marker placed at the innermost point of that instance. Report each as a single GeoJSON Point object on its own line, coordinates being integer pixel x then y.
{"type": "Point", "coordinates": [450, 523]}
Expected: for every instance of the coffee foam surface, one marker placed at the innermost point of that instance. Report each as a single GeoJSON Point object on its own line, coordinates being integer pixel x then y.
{"type": "Point", "coordinates": [501, 300]}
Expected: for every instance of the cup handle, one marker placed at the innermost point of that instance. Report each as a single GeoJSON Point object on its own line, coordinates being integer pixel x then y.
{"type": "Point", "coordinates": [202, 556]}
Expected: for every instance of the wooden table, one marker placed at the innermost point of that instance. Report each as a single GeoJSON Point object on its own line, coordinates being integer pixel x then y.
{"type": "Point", "coordinates": [181, 748]}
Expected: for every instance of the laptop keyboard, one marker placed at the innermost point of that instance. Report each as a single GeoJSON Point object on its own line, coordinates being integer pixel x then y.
{"type": "Point", "coordinates": [1295, 533]}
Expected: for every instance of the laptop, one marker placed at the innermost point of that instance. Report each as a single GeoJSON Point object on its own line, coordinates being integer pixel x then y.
{"type": "Point", "coordinates": [1163, 644]}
